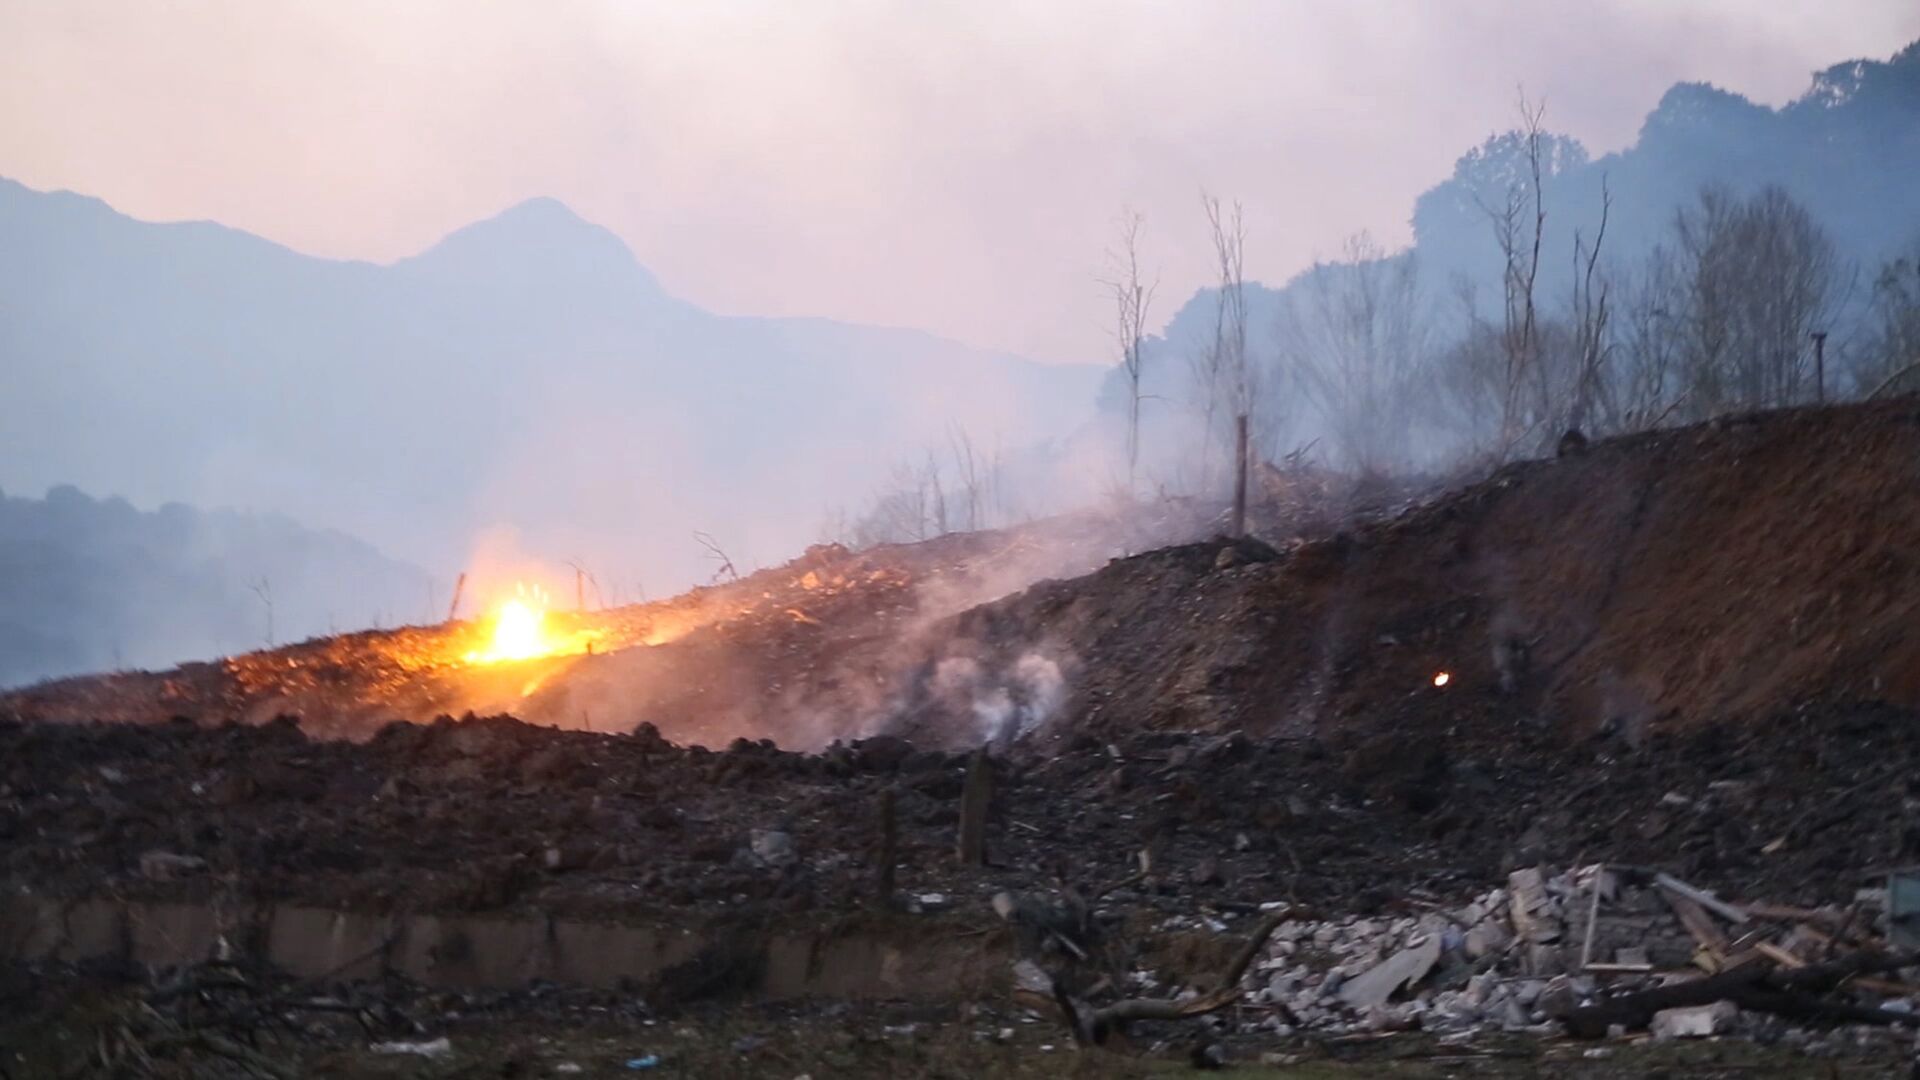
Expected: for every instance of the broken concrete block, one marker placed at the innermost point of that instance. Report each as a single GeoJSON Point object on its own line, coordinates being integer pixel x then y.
{"type": "Point", "coordinates": [1375, 985]}
{"type": "Point", "coordinates": [1694, 1021]}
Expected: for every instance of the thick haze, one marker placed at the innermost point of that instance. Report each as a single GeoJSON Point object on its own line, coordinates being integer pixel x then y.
{"type": "Point", "coordinates": [952, 167]}
{"type": "Point", "coordinates": [496, 290]}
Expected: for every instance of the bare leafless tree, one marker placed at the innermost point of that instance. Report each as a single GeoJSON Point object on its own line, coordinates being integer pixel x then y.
{"type": "Point", "coordinates": [976, 476]}
{"type": "Point", "coordinates": [583, 579]}
{"type": "Point", "coordinates": [1132, 297]}
{"type": "Point", "coordinates": [921, 499]}
{"type": "Point", "coordinates": [1233, 379]}
{"type": "Point", "coordinates": [1893, 344]}
{"type": "Point", "coordinates": [1519, 223]}
{"type": "Point", "coordinates": [1467, 379]}
{"type": "Point", "coordinates": [1648, 384]}
{"type": "Point", "coordinates": [723, 567]}
{"type": "Point", "coordinates": [937, 504]}
{"type": "Point", "coordinates": [1591, 316]}
{"type": "Point", "coordinates": [1756, 277]}
{"type": "Point", "coordinates": [263, 589]}
{"type": "Point", "coordinates": [1354, 333]}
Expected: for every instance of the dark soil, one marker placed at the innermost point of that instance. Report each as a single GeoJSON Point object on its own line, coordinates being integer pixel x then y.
{"type": "Point", "coordinates": [491, 813]}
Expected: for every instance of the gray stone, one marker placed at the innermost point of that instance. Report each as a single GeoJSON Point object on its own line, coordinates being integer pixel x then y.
{"type": "Point", "coordinates": [772, 847]}
{"type": "Point", "coordinates": [1695, 1021]}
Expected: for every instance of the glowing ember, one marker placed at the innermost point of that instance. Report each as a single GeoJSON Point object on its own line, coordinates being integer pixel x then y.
{"type": "Point", "coordinates": [1442, 678]}
{"type": "Point", "coordinates": [519, 631]}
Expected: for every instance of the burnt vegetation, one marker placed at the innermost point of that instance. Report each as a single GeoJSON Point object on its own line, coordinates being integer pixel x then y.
{"type": "Point", "coordinates": [1530, 653]}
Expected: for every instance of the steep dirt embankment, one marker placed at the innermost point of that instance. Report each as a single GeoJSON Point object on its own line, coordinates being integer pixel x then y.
{"type": "Point", "coordinates": [1653, 582]}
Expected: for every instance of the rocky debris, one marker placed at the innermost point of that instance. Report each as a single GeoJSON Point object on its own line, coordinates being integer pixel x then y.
{"type": "Point", "coordinates": [168, 866]}
{"type": "Point", "coordinates": [1358, 974]}
{"type": "Point", "coordinates": [1695, 1021]}
{"type": "Point", "coordinates": [1371, 988]}
{"type": "Point", "coordinates": [1760, 967]}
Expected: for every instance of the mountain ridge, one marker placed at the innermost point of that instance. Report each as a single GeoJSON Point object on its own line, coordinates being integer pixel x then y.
{"type": "Point", "coordinates": [524, 372]}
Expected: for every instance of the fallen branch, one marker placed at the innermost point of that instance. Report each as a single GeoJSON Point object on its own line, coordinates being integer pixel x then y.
{"type": "Point", "coordinates": [1092, 1026]}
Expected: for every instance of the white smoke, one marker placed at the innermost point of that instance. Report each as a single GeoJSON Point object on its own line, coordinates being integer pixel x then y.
{"type": "Point", "coordinates": [1007, 704]}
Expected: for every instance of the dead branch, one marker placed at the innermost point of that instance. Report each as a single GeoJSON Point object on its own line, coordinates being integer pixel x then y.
{"type": "Point", "coordinates": [725, 568]}
{"type": "Point", "coordinates": [1092, 1026]}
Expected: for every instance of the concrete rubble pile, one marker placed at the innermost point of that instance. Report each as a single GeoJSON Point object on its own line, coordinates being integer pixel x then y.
{"type": "Point", "coordinates": [1591, 950]}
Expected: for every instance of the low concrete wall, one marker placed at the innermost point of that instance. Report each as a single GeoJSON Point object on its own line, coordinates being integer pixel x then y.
{"type": "Point", "coordinates": [495, 951]}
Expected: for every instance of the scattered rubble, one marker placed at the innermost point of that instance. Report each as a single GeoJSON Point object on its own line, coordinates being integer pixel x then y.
{"type": "Point", "coordinates": [1564, 752]}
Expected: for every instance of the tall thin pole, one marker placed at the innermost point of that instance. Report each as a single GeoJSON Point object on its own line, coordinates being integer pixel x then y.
{"type": "Point", "coordinates": [1819, 366]}
{"type": "Point", "coordinates": [1240, 476]}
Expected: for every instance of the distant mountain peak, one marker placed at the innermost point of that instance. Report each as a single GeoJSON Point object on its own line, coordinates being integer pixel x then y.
{"type": "Point", "coordinates": [539, 237]}
{"type": "Point", "coordinates": [542, 212]}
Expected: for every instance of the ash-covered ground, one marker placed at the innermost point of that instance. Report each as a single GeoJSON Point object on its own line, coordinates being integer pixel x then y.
{"type": "Point", "coordinates": [1684, 653]}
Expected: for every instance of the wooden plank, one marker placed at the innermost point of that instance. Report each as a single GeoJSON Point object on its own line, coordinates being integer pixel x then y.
{"type": "Point", "coordinates": [1701, 897]}
{"type": "Point", "coordinates": [1593, 916]}
{"type": "Point", "coordinates": [1779, 955]}
{"type": "Point", "coordinates": [1784, 913]}
{"type": "Point", "coordinates": [1699, 924]}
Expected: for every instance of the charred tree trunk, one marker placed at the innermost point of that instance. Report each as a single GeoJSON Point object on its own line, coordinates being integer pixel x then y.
{"type": "Point", "coordinates": [1239, 526]}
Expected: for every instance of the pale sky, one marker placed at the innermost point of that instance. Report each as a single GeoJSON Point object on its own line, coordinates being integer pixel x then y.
{"type": "Point", "coordinates": [954, 166]}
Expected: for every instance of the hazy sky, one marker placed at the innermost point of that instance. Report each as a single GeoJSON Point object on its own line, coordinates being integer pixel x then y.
{"type": "Point", "coordinates": [952, 166]}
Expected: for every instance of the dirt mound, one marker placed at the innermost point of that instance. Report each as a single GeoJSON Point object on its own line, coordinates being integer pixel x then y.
{"type": "Point", "coordinates": [800, 652]}
{"type": "Point", "coordinates": [826, 646]}
{"type": "Point", "coordinates": [1720, 572]}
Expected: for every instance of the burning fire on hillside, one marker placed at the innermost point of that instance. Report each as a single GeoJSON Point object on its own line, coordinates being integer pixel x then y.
{"type": "Point", "coordinates": [520, 631]}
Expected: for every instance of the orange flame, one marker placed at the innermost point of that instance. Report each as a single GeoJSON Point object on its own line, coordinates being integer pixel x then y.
{"type": "Point", "coordinates": [520, 631]}
{"type": "Point", "coordinates": [1442, 678]}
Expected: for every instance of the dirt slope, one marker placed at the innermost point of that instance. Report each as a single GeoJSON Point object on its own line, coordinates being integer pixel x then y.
{"type": "Point", "coordinates": [1713, 573]}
